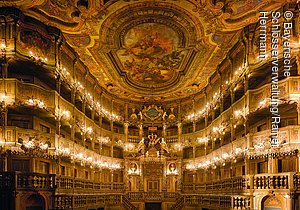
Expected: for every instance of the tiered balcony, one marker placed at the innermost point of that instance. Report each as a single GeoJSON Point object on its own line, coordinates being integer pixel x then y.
{"type": "Point", "coordinates": [19, 93]}
{"type": "Point", "coordinates": [60, 184]}
{"type": "Point", "coordinates": [65, 184]}
{"type": "Point", "coordinates": [245, 184]}
{"type": "Point", "coordinates": [211, 201]}
{"type": "Point", "coordinates": [236, 193]}
{"type": "Point", "coordinates": [22, 181]}
{"type": "Point", "coordinates": [251, 102]}
{"type": "Point", "coordinates": [232, 185]}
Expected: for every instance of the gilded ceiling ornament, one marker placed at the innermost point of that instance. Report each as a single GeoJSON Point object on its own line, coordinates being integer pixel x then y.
{"type": "Point", "coordinates": [147, 47]}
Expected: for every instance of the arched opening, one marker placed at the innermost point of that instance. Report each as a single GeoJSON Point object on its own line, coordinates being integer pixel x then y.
{"type": "Point", "coordinates": [35, 202]}
{"type": "Point", "coordinates": [271, 203]}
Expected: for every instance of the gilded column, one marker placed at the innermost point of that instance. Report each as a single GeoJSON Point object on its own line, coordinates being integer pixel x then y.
{"type": "Point", "coordinates": [112, 128]}
{"type": "Point", "coordinates": [100, 122]}
{"type": "Point", "coordinates": [179, 124]}
{"type": "Point", "coordinates": [165, 131]}
{"type": "Point", "coordinates": [126, 123]}
{"type": "Point", "coordinates": [140, 130]}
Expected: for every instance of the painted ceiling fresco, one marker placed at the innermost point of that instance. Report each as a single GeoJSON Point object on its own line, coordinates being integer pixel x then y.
{"type": "Point", "coordinates": [145, 50]}
{"type": "Point", "coordinates": [151, 54]}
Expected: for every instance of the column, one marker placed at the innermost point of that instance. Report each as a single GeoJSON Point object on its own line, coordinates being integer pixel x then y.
{"type": "Point", "coordinates": [126, 123]}
{"type": "Point", "coordinates": [179, 125]}
{"type": "Point", "coordinates": [140, 130]}
{"type": "Point", "coordinates": [100, 123]}
{"type": "Point", "coordinates": [112, 129]}
{"type": "Point", "coordinates": [93, 105]}
{"type": "Point", "coordinates": [164, 131]}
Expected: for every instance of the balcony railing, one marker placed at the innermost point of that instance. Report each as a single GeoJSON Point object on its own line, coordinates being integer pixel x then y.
{"type": "Point", "coordinates": [241, 202]}
{"type": "Point", "coordinates": [85, 200]}
{"type": "Point", "coordinates": [273, 181]}
{"type": "Point", "coordinates": [279, 181]}
{"type": "Point", "coordinates": [27, 181]}
{"type": "Point", "coordinates": [35, 181]}
{"type": "Point", "coordinates": [64, 184]}
{"type": "Point", "coordinates": [152, 196]}
{"type": "Point", "coordinates": [223, 202]}
{"type": "Point", "coordinates": [296, 181]}
{"type": "Point", "coordinates": [220, 202]}
{"type": "Point", "coordinates": [233, 185]}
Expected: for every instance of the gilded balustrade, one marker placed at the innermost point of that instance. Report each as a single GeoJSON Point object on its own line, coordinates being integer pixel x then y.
{"type": "Point", "coordinates": [51, 182]}
{"type": "Point", "coordinates": [232, 185]}
{"type": "Point", "coordinates": [223, 202]}
{"type": "Point", "coordinates": [296, 181]}
{"type": "Point", "coordinates": [27, 181]}
{"type": "Point", "coordinates": [220, 202]}
{"type": "Point", "coordinates": [65, 184]}
{"type": "Point", "coordinates": [278, 181]}
{"type": "Point", "coordinates": [152, 196]}
{"type": "Point", "coordinates": [63, 202]}
{"type": "Point", "coordinates": [241, 202]}
{"type": "Point", "coordinates": [273, 181]}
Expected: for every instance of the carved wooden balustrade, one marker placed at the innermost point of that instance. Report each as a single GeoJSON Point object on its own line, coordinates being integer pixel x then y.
{"type": "Point", "coordinates": [79, 201]}
{"type": "Point", "coordinates": [24, 181]}
{"type": "Point", "coordinates": [50, 182]}
{"type": "Point", "coordinates": [211, 201]}
{"type": "Point", "coordinates": [64, 184]}
{"type": "Point", "coordinates": [241, 202]}
{"type": "Point", "coordinates": [220, 202]}
{"type": "Point", "coordinates": [296, 181]}
{"type": "Point", "coordinates": [152, 196]}
{"type": "Point", "coordinates": [273, 181]}
{"type": "Point", "coordinates": [278, 181]}
{"type": "Point", "coordinates": [234, 185]}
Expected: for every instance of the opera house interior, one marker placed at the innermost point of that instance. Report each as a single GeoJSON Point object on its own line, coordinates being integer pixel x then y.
{"type": "Point", "coordinates": [149, 104]}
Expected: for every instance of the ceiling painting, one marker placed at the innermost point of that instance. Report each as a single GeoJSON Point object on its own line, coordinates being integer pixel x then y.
{"type": "Point", "coordinates": [149, 51]}
{"type": "Point", "coordinates": [151, 54]}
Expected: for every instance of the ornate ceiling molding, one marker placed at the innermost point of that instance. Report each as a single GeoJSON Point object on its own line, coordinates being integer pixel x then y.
{"type": "Point", "coordinates": [192, 37]}
{"type": "Point", "coordinates": [149, 47]}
